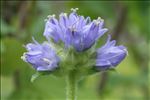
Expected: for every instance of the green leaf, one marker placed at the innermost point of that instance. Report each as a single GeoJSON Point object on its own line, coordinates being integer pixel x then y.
{"type": "Point", "coordinates": [38, 74]}
{"type": "Point", "coordinates": [35, 76]}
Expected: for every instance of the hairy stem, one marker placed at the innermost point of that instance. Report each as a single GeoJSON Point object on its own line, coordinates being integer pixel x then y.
{"type": "Point", "coordinates": [71, 86]}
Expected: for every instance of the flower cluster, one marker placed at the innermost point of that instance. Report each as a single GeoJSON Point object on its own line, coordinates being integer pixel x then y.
{"type": "Point", "coordinates": [78, 35]}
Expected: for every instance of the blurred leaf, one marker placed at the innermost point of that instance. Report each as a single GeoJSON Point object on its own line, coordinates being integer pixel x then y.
{"type": "Point", "coordinates": [10, 60]}
{"type": "Point", "coordinates": [7, 87]}
{"type": "Point", "coordinates": [6, 29]}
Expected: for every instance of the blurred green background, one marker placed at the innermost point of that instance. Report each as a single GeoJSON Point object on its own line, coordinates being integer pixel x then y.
{"type": "Point", "coordinates": [128, 22]}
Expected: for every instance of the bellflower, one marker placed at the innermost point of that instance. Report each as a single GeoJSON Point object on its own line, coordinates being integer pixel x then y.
{"type": "Point", "coordinates": [76, 34]}
{"type": "Point", "coordinates": [109, 55]}
{"type": "Point", "coordinates": [41, 56]}
{"type": "Point", "coordinates": [74, 30]}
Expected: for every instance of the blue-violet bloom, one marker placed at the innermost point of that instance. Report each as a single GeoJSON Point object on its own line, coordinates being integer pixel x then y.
{"type": "Point", "coordinates": [41, 56]}
{"type": "Point", "coordinates": [109, 55]}
{"type": "Point", "coordinates": [74, 30]}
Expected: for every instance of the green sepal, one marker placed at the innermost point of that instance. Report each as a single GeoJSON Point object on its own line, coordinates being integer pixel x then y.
{"type": "Point", "coordinates": [112, 70]}
{"type": "Point", "coordinates": [38, 74]}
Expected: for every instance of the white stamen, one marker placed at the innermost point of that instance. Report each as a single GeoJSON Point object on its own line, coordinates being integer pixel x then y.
{"type": "Point", "coordinates": [98, 21]}
{"type": "Point", "coordinates": [74, 9]}
{"type": "Point", "coordinates": [64, 14]}
{"type": "Point", "coordinates": [23, 57]}
{"type": "Point", "coordinates": [49, 17]}
{"type": "Point", "coordinates": [46, 60]}
{"type": "Point", "coordinates": [99, 18]}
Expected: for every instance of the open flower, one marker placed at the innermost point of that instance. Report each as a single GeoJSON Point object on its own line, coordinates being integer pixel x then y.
{"type": "Point", "coordinates": [41, 56]}
{"type": "Point", "coordinates": [80, 33]}
{"type": "Point", "coordinates": [74, 30]}
{"type": "Point", "coordinates": [109, 55]}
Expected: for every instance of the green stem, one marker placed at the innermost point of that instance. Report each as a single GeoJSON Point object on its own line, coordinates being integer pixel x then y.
{"type": "Point", "coordinates": [71, 86]}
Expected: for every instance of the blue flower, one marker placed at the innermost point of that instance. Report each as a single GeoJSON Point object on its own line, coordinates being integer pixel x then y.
{"type": "Point", "coordinates": [74, 30]}
{"type": "Point", "coordinates": [41, 56]}
{"type": "Point", "coordinates": [109, 55]}
{"type": "Point", "coordinates": [77, 32]}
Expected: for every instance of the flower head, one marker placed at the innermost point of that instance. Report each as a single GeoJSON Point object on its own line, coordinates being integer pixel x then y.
{"type": "Point", "coordinates": [41, 56]}
{"type": "Point", "coordinates": [74, 30]}
{"type": "Point", "coordinates": [76, 34]}
{"type": "Point", "coordinates": [110, 55]}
